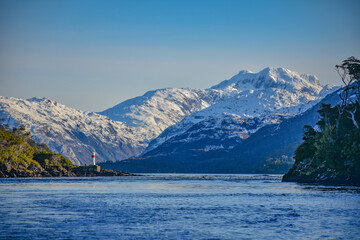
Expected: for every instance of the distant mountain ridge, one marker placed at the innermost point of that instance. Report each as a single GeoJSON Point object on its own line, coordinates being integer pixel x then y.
{"type": "Point", "coordinates": [254, 154]}
{"type": "Point", "coordinates": [75, 134]}
{"type": "Point", "coordinates": [231, 110]}
{"type": "Point", "coordinates": [255, 100]}
{"type": "Point", "coordinates": [272, 78]}
{"type": "Point", "coordinates": [156, 110]}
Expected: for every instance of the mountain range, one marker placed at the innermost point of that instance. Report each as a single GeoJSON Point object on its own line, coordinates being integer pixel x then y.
{"type": "Point", "coordinates": [268, 150]}
{"type": "Point", "coordinates": [170, 122]}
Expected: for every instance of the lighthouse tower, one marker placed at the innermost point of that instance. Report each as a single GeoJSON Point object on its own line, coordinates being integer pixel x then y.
{"type": "Point", "coordinates": [93, 158]}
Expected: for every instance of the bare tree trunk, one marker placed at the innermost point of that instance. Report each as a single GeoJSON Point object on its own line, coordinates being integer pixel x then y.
{"type": "Point", "coordinates": [352, 113]}
{"type": "Point", "coordinates": [340, 112]}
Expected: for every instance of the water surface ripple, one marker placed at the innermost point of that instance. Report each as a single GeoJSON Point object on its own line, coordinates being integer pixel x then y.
{"type": "Point", "coordinates": [176, 206]}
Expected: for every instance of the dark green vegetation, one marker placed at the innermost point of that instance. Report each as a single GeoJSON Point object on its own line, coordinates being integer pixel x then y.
{"type": "Point", "coordinates": [21, 156]}
{"type": "Point", "coordinates": [332, 155]}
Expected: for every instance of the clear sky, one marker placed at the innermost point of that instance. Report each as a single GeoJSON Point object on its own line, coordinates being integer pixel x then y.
{"type": "Point", "coordinates": [92, 55]}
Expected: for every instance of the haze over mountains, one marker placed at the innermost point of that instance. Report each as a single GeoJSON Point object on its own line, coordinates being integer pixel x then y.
{"type": "Point", "coordinates": [169, 120]}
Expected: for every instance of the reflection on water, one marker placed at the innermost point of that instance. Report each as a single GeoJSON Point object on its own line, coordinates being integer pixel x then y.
{"type": "Point", "coordinates": [176, 206]}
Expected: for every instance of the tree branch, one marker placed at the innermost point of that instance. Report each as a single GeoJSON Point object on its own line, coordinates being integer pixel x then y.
{"type": "Point", "coordinates": [352, 113]}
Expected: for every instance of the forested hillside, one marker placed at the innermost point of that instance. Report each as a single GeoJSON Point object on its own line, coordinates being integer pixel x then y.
{"type": "Point", "coordinates": [21, 156]}
{"type": "Point", "coordinates": [330, 153]}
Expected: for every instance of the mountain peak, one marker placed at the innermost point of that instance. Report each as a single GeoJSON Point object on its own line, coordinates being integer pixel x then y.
{"type": "Point", "coordinates": [37, 99]}
{"type": "Point", "coordinates": [271, 77]}
{"type": "Point", "coordinates": [245, 72]}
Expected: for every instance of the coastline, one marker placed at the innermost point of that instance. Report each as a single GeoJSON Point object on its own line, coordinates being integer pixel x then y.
{"type": "Point", "coordinates": [76, 172]}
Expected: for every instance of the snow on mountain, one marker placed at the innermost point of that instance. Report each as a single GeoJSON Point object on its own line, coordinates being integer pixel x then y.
{"type": "Point", "coordinates": [214, 118]}
{"type": "Point", "coordinates": [75, 134]}
{"type": "Point", "coordinates": [134, 123]}
{"type": "Point", "coordinates": [255, 154]}
{"type": "Point", "coordinates": [157, 110]}
{"type": "Point", "coordinates": [280, 78]}
{"type": "Point", "coordinates": [255, 99]}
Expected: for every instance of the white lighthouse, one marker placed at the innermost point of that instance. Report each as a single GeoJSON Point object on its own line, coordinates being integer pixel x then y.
{"type": "Point", "coordinates": [93, 158]}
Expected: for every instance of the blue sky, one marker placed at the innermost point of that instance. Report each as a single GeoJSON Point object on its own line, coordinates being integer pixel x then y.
{"type": "Point", "coordinates": [92, 55]}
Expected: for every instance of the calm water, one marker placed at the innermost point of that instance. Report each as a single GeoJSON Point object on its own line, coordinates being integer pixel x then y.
{"type": "Point", "coordinates": [176, 207]}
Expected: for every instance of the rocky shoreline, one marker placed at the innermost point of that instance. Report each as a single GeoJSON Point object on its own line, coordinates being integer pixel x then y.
{"type": "Point", "coordinates": [321, 179]}
{"type": "Point", "coordinates": [74, 172]}
{"type": "Point", "coordinates": [308, 171]}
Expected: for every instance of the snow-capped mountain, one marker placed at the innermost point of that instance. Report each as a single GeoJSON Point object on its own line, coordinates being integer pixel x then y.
{"type": "Point", "coordinates": [157, 110]}
{"type": "Point", "coordinates": [268, 150]}
{"type": "Point", "coordinates": [255, 100]}
{"type": "Point", "coordinates": [75, 134]}
{"type": "Point", "coordinates": [216, 118]}
{"type": "Point", "coordinates": [270, 77]}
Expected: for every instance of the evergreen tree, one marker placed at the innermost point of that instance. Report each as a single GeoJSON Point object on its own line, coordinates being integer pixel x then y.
{"type": "Point", "coordinates": [333, 154]}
